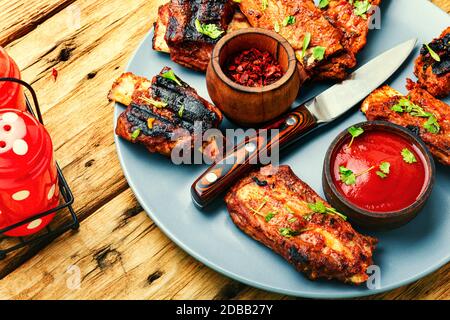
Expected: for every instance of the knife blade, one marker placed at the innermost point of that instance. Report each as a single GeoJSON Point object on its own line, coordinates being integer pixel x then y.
{"type": "Point", "coordinates": [294, 125]}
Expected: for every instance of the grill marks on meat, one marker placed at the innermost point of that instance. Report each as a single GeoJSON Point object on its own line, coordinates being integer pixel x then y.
{"type": "Point", "coordinates": [434, 76]}
{"type": "Point", "coordinates": [174, 124]}
{"type": "Point", "coordinates": [324, 246]}
{"type": "Point", "coordinates": [187, 46]}
{"type": "Point", "coordinates": [377, 106]}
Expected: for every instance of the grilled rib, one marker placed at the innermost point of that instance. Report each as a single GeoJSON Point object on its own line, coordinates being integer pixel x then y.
{"type": "Point", "coordinates": [320, 245]}
{"type": "Point", "coordinates": [188, 46]}
{"type": "Point", "coordinates": [182, 115]}
{"type": "Point", "coordinates": [434, 76]}
{"type": "Point", "coordinates": [378, 106]}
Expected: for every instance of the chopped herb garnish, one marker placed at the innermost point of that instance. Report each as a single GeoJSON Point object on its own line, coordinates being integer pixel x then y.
{"type": "Point", "coordinates": [408, 156]}
{"type": "Point", "coordinates": [269, 216]}
{"type": "Point", "coordinates": [288, 232]}
{"type": "Point", "coordinates": [210, 30]}
{"type": "Point", "coordinates": [237, 1]}
{"type": "Point", "coordinates": [405, 105]}
{"type": "Point", "coordinates": [258, 211]}
{"type": "Point", "coordinates": [320, 207]}
{"type": "Point", "coordinates": [323, 3]}
{"type": "Point", "coordinates": [288, 20]}
{"type": "Point", "coordinates": [385, 169]}
{"type": "Point", "coordinates": [171, 76]}
{"type": "Point", "coordinates": [289, 210]}
{"type": "Point", "coordinates": [135, 134]}
{"type": "Point", "coordinates": [306, 41]}
{"type": "Point", "coordinates": [432, 125]}
{"type": "Point", "coordinates": [433, 54]}
{"type": "Point", "coordinates": [355, 132]}
{"type": "Point", "coordinates": [264, 4]}
{"type": "Point", "coordinates": [155, 103]}
{"type": "Point", "coordinates": [292, 220]}
{"type": "Point", "coordinates": [347, 176]}
{"type": "Point", "coordinates": [319, 53]}
{"type": "Point", "coordinates": [361, 7]}
{"type": "Point", "coordinates": [181, 111]}
{"type": "Point", "coordinates": [276, 27]}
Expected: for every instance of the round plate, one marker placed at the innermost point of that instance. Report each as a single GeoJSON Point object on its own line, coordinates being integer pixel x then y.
{"type": "Point", "coordinates": [163, 189]}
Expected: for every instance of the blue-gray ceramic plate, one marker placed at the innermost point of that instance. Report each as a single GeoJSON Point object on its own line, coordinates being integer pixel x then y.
{"type": "Point", "coordinates": [163, 189]}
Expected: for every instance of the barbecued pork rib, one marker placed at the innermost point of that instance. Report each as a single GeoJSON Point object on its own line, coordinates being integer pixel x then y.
{"type": "Point", "coordinates": [342, 15]}
{"type": "Point", "coordinates": [272, 206]}
{"type": "Point", "coordinates": [378, 106]}
{"type": "Point", "coordinates": [434, 76]}
{"type": "Point", "coordinates": [308, 19]}
{"type": "Point", "coordinates": [188, 46]}
{"type": "Point", "coordinates": [162, 114]}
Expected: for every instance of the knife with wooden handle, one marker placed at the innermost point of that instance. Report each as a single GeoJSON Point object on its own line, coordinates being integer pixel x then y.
{"type": "Point", "coordinates": [297, 123]}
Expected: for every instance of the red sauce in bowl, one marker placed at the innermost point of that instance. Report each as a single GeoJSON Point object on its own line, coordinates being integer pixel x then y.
{"type": "Point", "coordinates": [398, 189]}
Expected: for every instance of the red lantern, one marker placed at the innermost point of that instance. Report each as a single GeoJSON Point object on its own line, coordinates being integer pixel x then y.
{"type": "Point", "coordinates": [11, 94]}
{"type": "Point", "coordinates": [28, 175]}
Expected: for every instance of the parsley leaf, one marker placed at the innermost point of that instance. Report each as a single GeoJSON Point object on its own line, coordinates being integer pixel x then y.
{"type": "Point", "coordinates": [432, 125]}
{"type": "Point", "coordinates": [135, 134]}
{"type": "Point", "coordinates": [408, 156]}
{"type": "Point", "coordinates": [171, 76]}
{"type": "Point", "coordinates": [361, 8]}
{"type": "Point", "coordinates": [210, 30]}
{"type": "Point", "coordinates": [355, 132]}
{"type": "Point", "coordinates": [306, 42]}
{"type": "Point", "coordinates": [347, 176]}
{"type": "Point", "coordinates": [288, 232]}
{"type": "Point", "coordinates": [320, 207]}
{"type": "Point", "coordinates": [319, 53]}
{"type": "Point", "coordinates": [433, 54]}
{"type": "Point", "coordinates": [323, 3]}
{"type": "Point", "coordinates": [385, 169]}
{"type": "Point", "coordinates": [181, 111]}
{"type": "Point", "coordinates": [288, 20]}
{"type": "Point", "coordinates": [269, 216]}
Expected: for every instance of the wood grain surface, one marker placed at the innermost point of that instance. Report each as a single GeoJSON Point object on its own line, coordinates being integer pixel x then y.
{"type": "Point", "coordinates": [118, 253]}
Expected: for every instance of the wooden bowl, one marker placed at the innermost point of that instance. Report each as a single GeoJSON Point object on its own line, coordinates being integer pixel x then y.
{"type": "Point", "coordinates": [368, 219]}
{"type": "Point", "coordinates": [251, 106]}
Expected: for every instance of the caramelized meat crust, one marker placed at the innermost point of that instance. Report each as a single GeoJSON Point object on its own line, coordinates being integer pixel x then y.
{"type": "Point", "coordinates": [164, 113]}
{"type": "Point", "coordinates": [434, 76]}
{"type": "Point", "coordinates": [188, 46]}
{"type": "Point", "coordinates": [378, 106]}
{"type": "Point", "coordinates": [272, 206]}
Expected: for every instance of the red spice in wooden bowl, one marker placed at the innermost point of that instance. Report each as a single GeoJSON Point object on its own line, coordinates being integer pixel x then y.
{"type": "Point", "coordinates": [254, 68]}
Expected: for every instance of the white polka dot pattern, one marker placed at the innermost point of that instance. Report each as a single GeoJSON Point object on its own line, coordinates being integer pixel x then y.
{"type": "Point", "coordinates": [20, 147]}
{"type": "Point", "coordinates": [34, 224]}
{"type": "Point", "coordinates": [21, 195]}
{"type": "Point", "coordinates": [51, 192]}
{"type": "Point", "coordinates": [10, 117]}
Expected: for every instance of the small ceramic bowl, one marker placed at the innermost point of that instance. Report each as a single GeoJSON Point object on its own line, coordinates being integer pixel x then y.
{"type": "Point", "coordinates": [251, 106]}
{"type": "Point", "coordinates": [368, 219]}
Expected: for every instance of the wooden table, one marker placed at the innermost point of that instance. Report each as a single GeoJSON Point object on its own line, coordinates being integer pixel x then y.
{"type": "Point", "coordinates": [118, 253]}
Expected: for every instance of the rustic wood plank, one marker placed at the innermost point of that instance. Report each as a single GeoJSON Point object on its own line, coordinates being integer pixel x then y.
{"type": "Point", "coordinates": [76, 110]}
{"type": "Point", "coordinates": [18, 17]}
{"type": "Point", "coordinates": [128, 257]}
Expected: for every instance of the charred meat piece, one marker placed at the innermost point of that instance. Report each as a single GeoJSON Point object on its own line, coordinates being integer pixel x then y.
{"type": "Point", "coordinates": [273, 206]}
{"type": "Point", "coordinates": [355, 25]}
{"type": "Point", "coordinates": [433, 75]}
{"type": "Point", "coordinates": [188, 46]}
{"type": "Point", "coordinates": [305, 18]}
{"type": "Point", "coordinates": [432, 123]}
{"type": "Point", "coordinates": [163, 113]}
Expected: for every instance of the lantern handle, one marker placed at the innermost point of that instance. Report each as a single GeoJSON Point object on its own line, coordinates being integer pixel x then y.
{"type": "Point", "coordinates": [33, 94]}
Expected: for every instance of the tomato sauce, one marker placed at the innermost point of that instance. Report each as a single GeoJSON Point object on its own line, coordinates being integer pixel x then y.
{"type": "Point", "coordinates": [397, 190]}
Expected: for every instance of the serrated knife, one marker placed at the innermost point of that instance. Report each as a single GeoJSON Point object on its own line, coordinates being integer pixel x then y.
{"type": "Point", "coordinates": [292, 126]}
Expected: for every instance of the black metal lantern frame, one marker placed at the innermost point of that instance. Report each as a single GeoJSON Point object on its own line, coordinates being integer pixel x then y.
{"type": "Point", "coordinates": [67, 198]}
